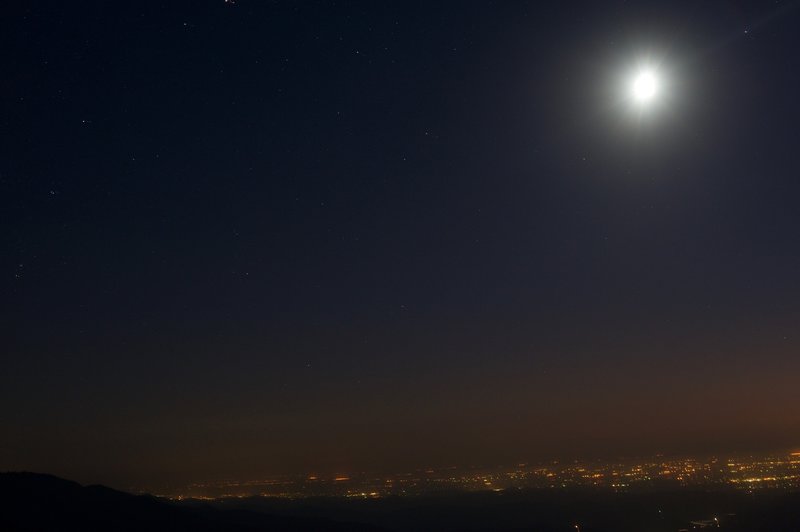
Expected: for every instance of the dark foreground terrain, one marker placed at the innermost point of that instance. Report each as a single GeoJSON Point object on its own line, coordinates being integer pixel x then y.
{"type": "Point", "coordinates": [555, 510]}
{"type": "Point", "coordinates": [34, 502]}
{"type": "Point", "coordinates": [41, 502]}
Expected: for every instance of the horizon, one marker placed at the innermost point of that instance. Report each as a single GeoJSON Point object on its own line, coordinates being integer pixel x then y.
{"type": "Point", "coordinates": [773, 471]}
{"type": "Point", "coordinates": [168, 488]}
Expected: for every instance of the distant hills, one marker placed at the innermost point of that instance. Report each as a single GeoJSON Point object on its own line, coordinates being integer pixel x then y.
{"type": "Point", "coordinates": [36, 502]}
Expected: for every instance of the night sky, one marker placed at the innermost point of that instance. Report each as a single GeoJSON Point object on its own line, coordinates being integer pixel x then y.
{"type": "Point", "coordinates": [249, 238]}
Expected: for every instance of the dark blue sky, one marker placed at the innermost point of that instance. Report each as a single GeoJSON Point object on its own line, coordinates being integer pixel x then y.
{"type": "Point", "coordinates": [251, 237]}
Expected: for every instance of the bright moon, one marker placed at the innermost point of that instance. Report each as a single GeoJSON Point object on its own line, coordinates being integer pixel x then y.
{"type": "Point", "coordinates": [645, 87]}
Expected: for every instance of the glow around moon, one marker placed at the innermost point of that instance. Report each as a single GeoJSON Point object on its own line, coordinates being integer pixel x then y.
{"type": "Point", "coordinates": [645, 90]}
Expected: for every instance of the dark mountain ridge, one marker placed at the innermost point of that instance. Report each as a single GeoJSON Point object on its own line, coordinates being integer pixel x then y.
{"type": "Point", "coordinates": [37, 502]}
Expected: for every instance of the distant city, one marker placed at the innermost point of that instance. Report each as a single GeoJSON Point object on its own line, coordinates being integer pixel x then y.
{"type": "Point", "coordinates": [745, 472]}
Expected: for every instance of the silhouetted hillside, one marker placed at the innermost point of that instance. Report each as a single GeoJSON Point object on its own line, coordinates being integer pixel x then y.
{"type": "Point", "coordinates": [34, 502]}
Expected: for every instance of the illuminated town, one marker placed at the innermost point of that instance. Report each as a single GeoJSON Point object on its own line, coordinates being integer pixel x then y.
{"type": "Point", "coordinates": [746, 472]}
